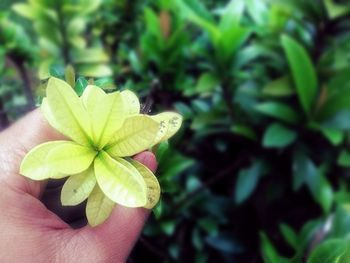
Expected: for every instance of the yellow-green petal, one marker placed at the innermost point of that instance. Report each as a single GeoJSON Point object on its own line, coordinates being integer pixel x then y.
{"type": "Point", "coordinates": [78, 187]}
{"type": "Point", "coordinates": [136, 135]}
{"type": "Point", "coordinates": [131, 102]}
{"type": "Point", "coordinates": [45, 109]}
{"type": "Point", "coordinates": [119, 183]}
{"type": "Point", "coordinates": [153, 187]}
{"type": "Point", "coordinates": [71, 158]}
{"type": "Point", "coordinates": [170, 123]}
{"type": "Point", "coordinates": [106, 112]}
{"type": "Point", "coordinates": [68, 115]}
{"type": "Point", "coordinates": [91, 97]}
{"type": "Point", "coordinates": [98, 207]}
{"type": "Point", "coordinates": [34, 164]}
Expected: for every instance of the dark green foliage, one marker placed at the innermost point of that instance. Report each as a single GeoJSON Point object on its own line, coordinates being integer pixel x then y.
{"type": "Point", "coordinates": [260, 169]}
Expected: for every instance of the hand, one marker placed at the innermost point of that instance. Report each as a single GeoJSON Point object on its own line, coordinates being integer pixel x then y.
{"type": "Point", "coordinates": [30, 232]}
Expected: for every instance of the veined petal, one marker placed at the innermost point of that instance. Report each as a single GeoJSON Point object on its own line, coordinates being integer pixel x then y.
{"type": "Point", "coordinates": [106, 112]}
{"type": "Point", "coordinates": [136, 135]}
{"type": "Point", "coordinates": [45, 109]}
{"type": "Point", "coordinates": [98, 207]}
{"type": "Point", "coordinates": [153, 187]}
{"type": "Point", "coordinates": [131, 102]}
{"type": "Point", "coordinates": [78, 187]}
{"type": "Point", "coordinates": [35, 165]}
{"type": "Point", "coordinates": [67, 113]}
{"type": "Point", "coordinates": [91, 97]}
{"type": "Point", "coordinates": [169, 123]}
{"type": "Point", "coordinates": [119, 183]}
{"type": "Point", "coordinates": [71, 158]}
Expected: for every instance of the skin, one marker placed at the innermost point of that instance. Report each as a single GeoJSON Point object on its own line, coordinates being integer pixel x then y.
{"type": "Point", "coordinates": [30, 232]}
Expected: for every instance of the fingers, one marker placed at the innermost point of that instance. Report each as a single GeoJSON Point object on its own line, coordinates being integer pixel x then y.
{"type": "Point", "coordinates": [19, 139]}
{"type": "Point", "coordinates": [115, 238]}
{"type": "Point", "coordinates": [148, 159]}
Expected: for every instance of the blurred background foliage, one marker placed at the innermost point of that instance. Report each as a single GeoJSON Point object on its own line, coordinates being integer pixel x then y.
{"type": "Point", "coordinates": [260, 169]}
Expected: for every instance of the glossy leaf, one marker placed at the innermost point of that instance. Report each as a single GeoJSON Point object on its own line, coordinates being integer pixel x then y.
{"type": "Point", "coordinates": [278, 110]}
{"type": "Point", "coordinates": [303, 71]}
{"type": "Point", "coordinates": [330, 251]}
{"type": "Point", "coordinates": [278, 136]}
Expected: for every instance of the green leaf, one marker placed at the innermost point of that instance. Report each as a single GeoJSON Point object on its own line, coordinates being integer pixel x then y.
{"type": "Point", "coordinates": [278, 110]}
{"type": "Point", "coordinates": [329, 251]}
{"type": "Point", "coordinates": [34, 165]}
{"type": "Point", "coordinates": [344, 159]}
{"type": "Point", "coordinates": [207, 82]}
{"type": "Point", "coordinates": [90, 55]}
{"type": "Point", "coordinates": [201, 21]}
{"type": "Point", "coordinates": [333, 135]}
{"type": "Point", "coordinates": [231, 17]}
{"type": "Point", "coordinates": [98, 207]}
{"type": "Point", "coordinates": [136, 135]}
{"type": "Point", "coordinates": [247, 182]}
{"type": "Point", "coordinates": [303, 72]}
{"type": "Point", "coordinates": [244, 131]}
{"type": "Point", "coordinates": [269, 252]}
{"type": "Point", "coordinates": [278, 136]}
{"type": "Point", "coordinates": [69, 74]}
{"type": "Point", "coordinates": [289, 235]}
{"type": "Point", "coordinates": [281, 87]}
{"type": "Point", "coordinates": [68, 113]}
{"type": "Point", "coordinates": [78, 187]}
{"type": "Point", "coordinates": [119, 183]}
{"type": "Point", "coordinates": [335, 10]}
{"type": "Point", "coordinates": [80, 85]}
{"type": "Point", "coordinates": [94, 70]}
{"type": "Point", "coordinates": [24, 10]}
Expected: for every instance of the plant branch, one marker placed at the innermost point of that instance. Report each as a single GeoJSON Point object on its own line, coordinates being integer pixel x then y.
{"type": "Point", "coordinates": [26, 85]}
{"type": "Point", "coordinates": [156, 251]}
{"type": "Point", "coordinates": [227, 96]}
{"type": "Point", "coordinates": [228, 171]}
{"type": "Point", "coordinates": [4, 122]}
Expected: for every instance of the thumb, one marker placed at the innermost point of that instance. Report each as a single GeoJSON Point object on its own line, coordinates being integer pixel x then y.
{"type": "Point", "coordinates": [114, 239]}
{"type": "Point", "coordinates": [16, 141]}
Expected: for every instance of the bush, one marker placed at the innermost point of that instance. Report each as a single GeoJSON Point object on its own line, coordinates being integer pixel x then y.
{"type": "Point", "coordinates": [260, 169]}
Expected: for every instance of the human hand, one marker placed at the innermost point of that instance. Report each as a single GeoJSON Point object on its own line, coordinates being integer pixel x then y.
{"type": "Point", "coordinates": [30, 232]}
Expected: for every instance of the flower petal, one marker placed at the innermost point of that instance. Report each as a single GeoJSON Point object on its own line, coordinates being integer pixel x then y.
{"type": "Point", "coordinates": [131, 102]}
{"type": "Point", "coordinates": [98, 207]}
{"type": "Point", "coordinates": [78, 187]}
{"type": "Point", "coordinates": [34, 164]}
{"type": "Point", "coordinates": [119, 183]}
{"type": "Point", "coordinates": [71, 158]}
{"type": "Point", "coordinates": [136, 135]}
{"type": "Point", "coordinates": [91, 97]}
{"type": "Point", "coordinates": [106, 112]}
{"type": "Point", "coordinates": [170, 123]}
{"type": "Point", "coordinates": [67, 113]}
{"type": "Point", "coordinates": [153, 187]}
